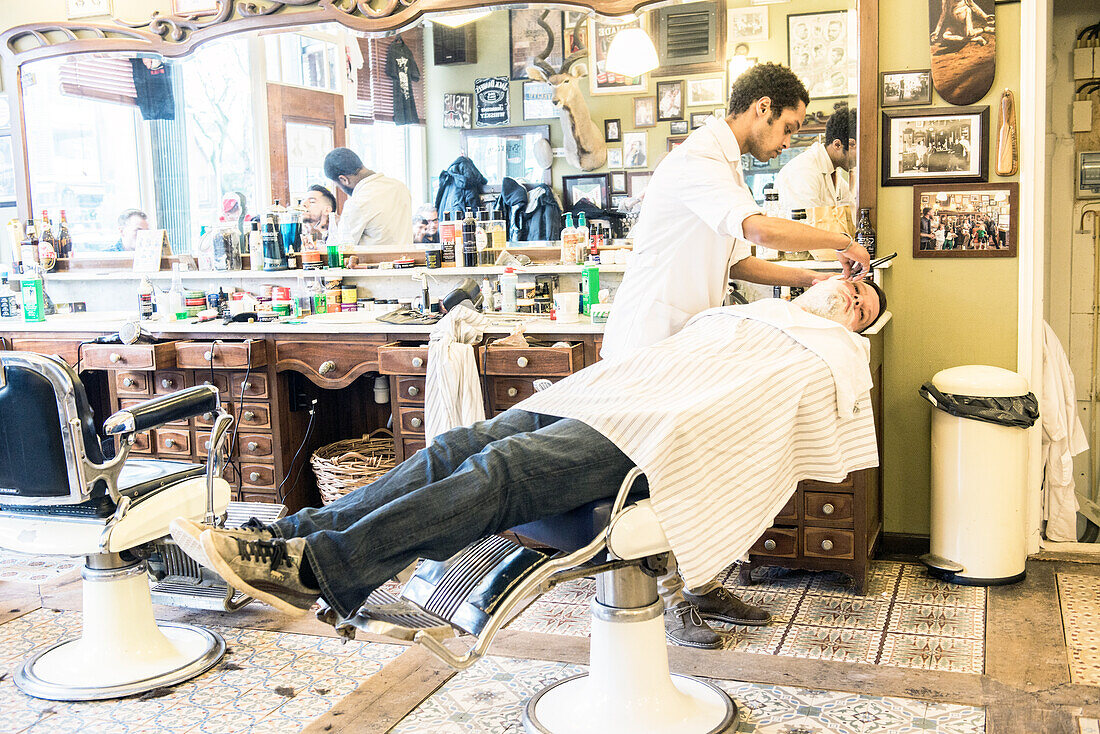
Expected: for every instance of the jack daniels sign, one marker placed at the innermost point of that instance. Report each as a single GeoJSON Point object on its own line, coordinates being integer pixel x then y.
{"type": "Point", "coordinates": [491, 101]}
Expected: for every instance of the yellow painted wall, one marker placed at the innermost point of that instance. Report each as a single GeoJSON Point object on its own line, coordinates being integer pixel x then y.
{"type": "Point", "coordinates": [946, 312]}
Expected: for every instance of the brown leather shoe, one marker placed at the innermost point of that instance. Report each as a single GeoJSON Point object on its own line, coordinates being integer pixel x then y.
{"type": "Point", "coordinates": [684, 626]}
{"type": "Point", "coordinates": [722, 606]}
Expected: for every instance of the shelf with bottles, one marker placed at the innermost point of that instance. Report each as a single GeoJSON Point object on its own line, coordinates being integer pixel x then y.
{"type": "Point", "coordinates": [325, 273]}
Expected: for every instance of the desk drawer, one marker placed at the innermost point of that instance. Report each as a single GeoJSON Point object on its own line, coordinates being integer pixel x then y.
{"type": "Point", "coordinates": [828, 543]}
{"type": "Point", "coordinates": [173, 441]}
{"type": "Point", "coordinates": [534, 360]}
{"type": "Point", "coordinates": [507, 391]}
{"type": "Point", "coordinates": [201, 441]}
{"type": "Point", "coordinates": [147, 357]}
{"type": "Point", "coordinates": [68, 349]}
{"type": "Point", "coordinates": [410, 390]}
{"type": "Point", "coordinates": [223, 355]}
{"type": "Point", "coordinates": [828, 508]}
{"type": "Point", "coordinates": [789, 513]}
{"type": "Point", "coordinates": [220, 380]}
{"type": "Point", "coordinates": [327, 364]}
{"type": "Point", "coordinates": [133, 383]}
{"type": "Point", "coordinates": [254, 387]}
{"type": "Point", "coordinates": [169, 381]}
{"type": "Point", "coordinates": [777, 542]}
{"type": "Point", "coordinates": [412, 421]}
{"type": "Point", "coordinates": [411, 446]}
{"type": "Point", "coordinates": [255, 446]}
{"type": "Point", "coordinates": [403, 358]}
{"type": "Point", "coordinates": [142, 442]}
{"type": "Point", "coordinates": [847, 484]}
{"type": "Point", "coordinates": [254, 415]}
{"type": "Point", "coordinates": [258, 475]}
{"type": "Point", "coordinates": [128, 403]}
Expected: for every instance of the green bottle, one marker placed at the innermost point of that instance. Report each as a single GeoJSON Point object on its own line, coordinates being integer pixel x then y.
{"type": "Point", "coordinates": [34, 296]}
{"type": "Point", "coordinates": [590, 287]}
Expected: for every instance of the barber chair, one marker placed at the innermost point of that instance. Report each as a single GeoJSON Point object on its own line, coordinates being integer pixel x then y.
{"type": "Point", "coordinates": [59, 495]}
{"type": "Point", "coordinates": [628, 687]}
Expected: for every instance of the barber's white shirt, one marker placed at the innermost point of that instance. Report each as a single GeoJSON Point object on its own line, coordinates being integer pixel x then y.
{"type": "Point", "coordinates": [378, 212]}
{"type": "Point", "coordinates": [807, 181]}
{"type": "Point", "coordinates": [686, 239]}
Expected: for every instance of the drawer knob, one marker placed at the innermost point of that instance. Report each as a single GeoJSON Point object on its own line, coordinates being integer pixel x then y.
{"type": "Point", "coordinates": [249, 416]}
{"type": "Point", "coordinates": [254, 476]}
{"type": "Point", "coordinates": [827, 545]}
{"type": "Point", "coordinates": [827, 508]}
{"type": "Point", "coordinates": [208, 383]}
{"type": "Point", "coordinates": [512, 392]}
{"type": "Point", "coordinates": [208, 356]}
{"type": "Point", "coordinates": [769, 544]}
{"type": "Point", "coordinates": [208, 417]}
{"type": "Point", "coordinates": [206, 445]}
{"type": "Point", "coordinates": [246, 385]}
{"type": "Point", "coordinates": [521, 362]}
{"type": "Point", "coordinates": [416, 423]}
{"type": "Point", "coordinates": [414, 390]}
{"type": "Point", "coordinates": [115, 357]}
{"type": "Point", "coordinates": [252, 445]}
{"type": "Point", "coordinates": [129, 382]}
{"type": "Point", "coordinates": [169, 443]}
{"type": "Point", "coordinates": [326, 367]}
{"type": "Point", "coordinates": [166, 383]}
{"type": "Point", "coordinates": [418, 362]}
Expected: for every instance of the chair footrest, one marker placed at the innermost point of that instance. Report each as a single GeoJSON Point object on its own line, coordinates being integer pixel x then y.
{"type": "Point", "coordinates": [385, 614]}
{"type": "Point", "coordinates": [184, 591]}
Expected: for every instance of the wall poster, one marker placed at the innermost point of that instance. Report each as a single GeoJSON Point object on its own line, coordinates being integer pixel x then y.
{"type": "Point", "coordinates": [491, 101]}
{"type": "Point", "coordinates": [820, 50]}
{"type": "Point", "coordinates": [599, 40]}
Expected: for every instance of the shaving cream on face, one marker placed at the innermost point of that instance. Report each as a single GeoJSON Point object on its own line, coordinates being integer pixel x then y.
{"type": "Point", "coordinates": [827, 302]}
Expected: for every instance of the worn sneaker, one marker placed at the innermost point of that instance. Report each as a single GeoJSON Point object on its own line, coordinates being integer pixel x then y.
{"type": "Point", "coordinates": [187, 535]}
{"type": "Point", "coordinates": [264, 568]}
{"type": "Point", "coordinates": [684, 626]}
{"type": "Point", "coordinates": [722, 606]}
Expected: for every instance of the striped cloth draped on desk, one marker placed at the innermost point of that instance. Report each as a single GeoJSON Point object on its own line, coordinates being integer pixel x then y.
{"type": "Point", "coordinates": [452, 383]}
{"type": "Point", "coordinates": [725, 418]}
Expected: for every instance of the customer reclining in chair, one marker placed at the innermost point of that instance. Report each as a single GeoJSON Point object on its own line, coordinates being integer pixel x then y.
{"type": "Point", "coordinates": [724, 418]}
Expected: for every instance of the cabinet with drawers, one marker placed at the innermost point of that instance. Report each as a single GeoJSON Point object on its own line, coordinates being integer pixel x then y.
{"type": "Point", "coordinates": [406, 365]}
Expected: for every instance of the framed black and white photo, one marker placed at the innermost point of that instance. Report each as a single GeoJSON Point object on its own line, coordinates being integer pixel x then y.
{"type": "Point", "coordinates": [645, 111]}
{"type": "Point", "coordinates": [670, 101]}
{"type": "Point", "coordinates": [537, 101]}
{"type": "Point", "coordinates": [458, 110]}
{"type": "Point", "coordinates": [698, 119]}
{"type": "Point", "coordinates": [612, 131]}
{"type": "Point", "coordinates": [944, 144]}
{"type": "Point", "coordinates": [527, 39]}
{"type": "Point", "coordinates": [491, 101]}
{"type": "Point", "coordinates": [818, 52]}
{"type": "Point", "coordinates": [637, 181]}
{"type": "Point", "coordinates": [906, 88]}
{"type": "Point", "coordinates": [706, 92]}
{"type": "Point", "coordinates": [747, 24]}
{"type": "Point", "coordinates": [635, 150]}
{"type": "Point", "coordinates": [618, 201]}
{"type": "Point", "coordinates": [618, 182]}
{"type": "Point", "coordinates": [965, 220]}
{"type": "Point", "coordinates": [595, 187]}
{"type": "Point", "coordinates": [614, 157]}
{"type": "Point", "coordinates": [678, 127]}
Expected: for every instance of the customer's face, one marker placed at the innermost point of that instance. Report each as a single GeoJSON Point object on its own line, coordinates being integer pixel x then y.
{"type": "Point", "coordinates": [852, 304]}
{"type": "Point", "coordinates": [128, 231]}
{"type": "Point", "coordinates": [317, 208]}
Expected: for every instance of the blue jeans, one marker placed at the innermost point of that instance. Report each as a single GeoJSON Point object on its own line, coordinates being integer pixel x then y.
{"type": "Point", "coordinates": [470, 482]}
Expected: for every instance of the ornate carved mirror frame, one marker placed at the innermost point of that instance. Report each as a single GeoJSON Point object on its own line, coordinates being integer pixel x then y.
{"type": "Point", "coordinates": [177, 34]}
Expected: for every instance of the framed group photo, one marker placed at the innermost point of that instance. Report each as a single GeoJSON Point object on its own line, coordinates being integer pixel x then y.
{"type": "Point", "coordinates": [747, 24]}
{"type": "Point", "coordinates": [595, 187]}
{"type": "Point", "coordinates": [906, 88]}
{"type": "Point", "coordinates": [706, 92]}
{"type": "Point", "coordinates": [678, 127]}
{"type": "Point", "coordinates": [943, 144]}
{"type": "Point", "coordinates": [966, 220]}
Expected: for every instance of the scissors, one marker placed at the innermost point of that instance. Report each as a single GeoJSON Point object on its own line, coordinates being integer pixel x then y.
{"type": "Point", "coordinates": [857, 270]}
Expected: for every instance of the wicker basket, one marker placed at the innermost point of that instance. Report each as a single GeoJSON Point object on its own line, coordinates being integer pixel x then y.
{"type": "Point", "coordinates": [347, 465]}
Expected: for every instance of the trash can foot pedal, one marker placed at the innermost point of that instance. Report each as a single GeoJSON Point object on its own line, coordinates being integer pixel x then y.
{"type": "Point", "coordinates": [941, 564]}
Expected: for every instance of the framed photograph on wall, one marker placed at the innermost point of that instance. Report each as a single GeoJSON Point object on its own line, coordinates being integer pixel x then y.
{"type": "Point", "coordinates": [670, 101]}
{"type": "Point", "coordinates": [906, 88]}
{"type": "Point", "coordinates": [600, 36]}
{"type": "Point", "coordinates": [965, 220]}
{"type": "Point", "coordinates": [747, 24]}
{"type": "Point", "coordinates": [698, 119]}
{"type": "Point", "coordinates": [618, 182]}
{"type": "Point", "coordinates": [635, 150]}
{"type": "Point", "coordinates": [612, 131]}
{"type": "Point", "coordinates": [706, 92]}
{"type": "Point", "coordinates": [537, 104]}
{"type": "Point", "coordinates": [614, 157]}
{"type": "Point", "coordinates": [458, 110]}
{"type": "Point", "coordinates": [527, 39]}
{"type": "Point", "coordinates": [618, 201]}
{"type": "Point", "coordinates": [671, 143]}
{"type": "Point", "coordinates": [636, 182]}
{"type": "Point", "coordinates": [595, 187]}
{"type": "Point", "coordinates": [678, 127]}
{"type": "Point", "coordinates": [818, 52]}
{"type": "Point", "coordinates": [645, 111]}
{"type": "Point", "coordinates": [943, 144]}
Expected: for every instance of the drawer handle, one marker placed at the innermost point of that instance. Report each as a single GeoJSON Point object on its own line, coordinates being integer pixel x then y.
{"type": "Point", "coordinates": [521, 362]}
{"type": "Point", "coordinates": [115, 357]}
{"type": "Point", "coordinates": [206, 445]}
{"type": "Point", "coordinates": [252, 445]}
{"type": "Point", "coordinates": [827, 545]}
{"type": "Point", "coordinates": [512, 392]}
{"type": "Point", "coordinates": [169, 443]}
{"type": "Point", "coordinates": [208, 383]}
{"type": "Point", "coordinates": [166, 383]}
{"type": "Point", "coordinates": [416, 423]}
{"type": "Point", "coordinates": [249, 416]}
{"type": "Point", "coordinates": [254, 476]}
{"type": "Point", "coordinates": [129, 382]}
{"type": "Point", "coordinates": [418, 362]}
{"type": "Point", "coordinates": [208, 356]}
{"type": "Point", "coordinates": [326, 367]}
{"type": "Point", "coordinates": [827, 508]}
{"type": "Point", "coordinates": [769, 544]}
{"type": "Point", "coordinates": [414, 390]}
{"type": "Point", "coordinates": [246, 385]}
{"type": "Point", "coordinates": [208, 417]}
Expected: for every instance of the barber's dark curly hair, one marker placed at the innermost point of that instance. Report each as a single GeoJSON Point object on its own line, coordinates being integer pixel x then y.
{"type": "Point", "coordinates": [840, 126]}
{"type": "Point", "coordinates": [774, 81]}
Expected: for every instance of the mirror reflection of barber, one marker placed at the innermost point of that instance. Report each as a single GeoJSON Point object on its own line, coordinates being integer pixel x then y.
{"type": "Point", "coordinates": [697, 220]}
{"type": "Point", "coordinates": [379, 208]}
{"type": "Point", "coordinates": [813, 178]}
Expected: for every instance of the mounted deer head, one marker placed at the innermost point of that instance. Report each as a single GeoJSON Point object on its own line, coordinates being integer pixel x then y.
{"type": "Point", "coordinates": [584, 144]}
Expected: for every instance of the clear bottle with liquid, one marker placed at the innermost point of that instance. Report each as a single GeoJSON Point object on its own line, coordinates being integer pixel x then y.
{"type": "Point", "coordinates": [798, 215]}
{"type": "Point", "coordinates": [481, 237]}
{"type": "Point", "coordinates": [568, 241]}
{"type": "Point", "coordinates": [771, 209]}
{"type": "Point", "coordinates": [583, 242]}
{"type": "Point", "coordinates": [177, 308]}
{"type": "Point", "coordinates": [508, 282]}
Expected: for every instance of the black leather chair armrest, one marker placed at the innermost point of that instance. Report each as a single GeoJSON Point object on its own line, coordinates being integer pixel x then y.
{"type": "Point", "coordinates": [176, 406]}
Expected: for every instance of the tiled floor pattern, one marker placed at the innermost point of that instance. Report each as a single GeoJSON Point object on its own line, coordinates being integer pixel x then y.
{"type": "Point", "coordinates": [906, 619]}
{"type": "Point", "coordinates": [1080, 599]}
{"type": "Point", "coordinates": [37, 569]}
{"type": "Point", "coordinates": [489, 699]}
{"type": "Point", "coordinates": [267, 682]}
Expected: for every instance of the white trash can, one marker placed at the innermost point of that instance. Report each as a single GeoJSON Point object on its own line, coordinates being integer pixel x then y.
{"type": "Point", "coordinates": [979, 474]}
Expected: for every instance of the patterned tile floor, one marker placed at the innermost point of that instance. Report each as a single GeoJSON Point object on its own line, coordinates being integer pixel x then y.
{"type": "Point", "coordinates": [26, 569]}
{"type": "Point", "coordinates": [906, 619]}
{"type": "Point", "coordinates": [267, 682]}
{"type": "Point", "coordinates": [489, 699]}
{"type": "Point", "coordinates": [1080, 599]}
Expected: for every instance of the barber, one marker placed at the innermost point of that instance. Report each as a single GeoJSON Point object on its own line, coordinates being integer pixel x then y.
{"type": "Point", "coordinates": [379, 208]}
{"type": "Point", "coordinates": [690, 239]}
{"type": "Point", "coordinates": [812, 178]}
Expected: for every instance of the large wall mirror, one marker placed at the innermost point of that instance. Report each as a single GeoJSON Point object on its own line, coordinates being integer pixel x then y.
{"type": "Point", "coordinates": [248, 116]}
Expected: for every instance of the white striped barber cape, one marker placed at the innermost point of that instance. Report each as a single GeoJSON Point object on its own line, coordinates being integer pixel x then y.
{"type": "Point", "coordinates": [725, 418]}
{"type": "Point", "coordinates": [452, 385]}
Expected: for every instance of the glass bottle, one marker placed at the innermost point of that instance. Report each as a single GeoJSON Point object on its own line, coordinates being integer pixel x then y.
{"type": "Point", "coordinates": [865, 233]}
{"type": "Point", "coordinates": [771, 209]}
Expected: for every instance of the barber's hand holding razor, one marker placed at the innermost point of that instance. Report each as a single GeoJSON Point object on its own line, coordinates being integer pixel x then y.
{"type": "Point", "coordinates": [854, 259]}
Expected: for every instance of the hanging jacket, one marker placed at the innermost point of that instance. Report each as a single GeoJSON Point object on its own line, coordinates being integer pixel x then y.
{"type": "Point", "coordinates": [1063, 438]}
{"type": "Point", "coordinates": [532, 213]}
{"type": "Point", "coordinates": [452, 389]}
{"type": "Point", "coordinates": [460, 186]}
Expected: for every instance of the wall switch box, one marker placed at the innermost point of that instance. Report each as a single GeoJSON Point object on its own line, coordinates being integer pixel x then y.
{"type": "Point", "coordinates": [1083, 63]}
{"type": "Point", "coordinates": [1082, 116]}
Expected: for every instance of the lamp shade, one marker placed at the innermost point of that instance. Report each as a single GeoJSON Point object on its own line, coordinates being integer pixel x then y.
{"type": "Point", "coordinates": [632, 53]}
